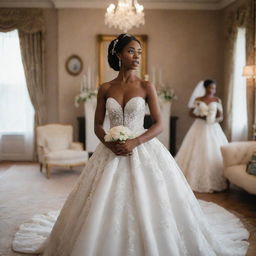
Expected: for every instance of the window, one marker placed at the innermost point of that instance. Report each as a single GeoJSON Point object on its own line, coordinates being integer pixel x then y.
{"type": "Point", "coordinates": [239, 128]}
{"type": "Point", "coordinates": [16, 110]}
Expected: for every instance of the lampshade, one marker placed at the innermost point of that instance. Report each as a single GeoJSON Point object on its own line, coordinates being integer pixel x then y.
{"type": "Point", "coordinates": [249, 71]}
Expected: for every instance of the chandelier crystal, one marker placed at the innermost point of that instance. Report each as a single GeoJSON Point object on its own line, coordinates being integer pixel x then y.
{"type": "Point", "coordinates": [124, 16]}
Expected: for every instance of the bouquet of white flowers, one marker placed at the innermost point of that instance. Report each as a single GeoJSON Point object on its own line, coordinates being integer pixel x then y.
{"type": "Point", "coordinates": [118, 133]}
{"type": "Point", "coordinates": [200, 109]}
{"type": "Point", "coordinates": [204, 110]}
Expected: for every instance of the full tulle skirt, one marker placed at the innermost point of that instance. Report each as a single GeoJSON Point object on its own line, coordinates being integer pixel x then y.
{"type": "Point", "coordinates": [139, 205]}
{"type": "Point", "coordinates": [200, 159]}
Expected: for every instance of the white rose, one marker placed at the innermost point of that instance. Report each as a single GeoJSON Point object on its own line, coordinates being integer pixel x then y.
{"type": "Point", "coordinates": [107, 137]}
{"type": "Point", "coordinates": [116, 133]}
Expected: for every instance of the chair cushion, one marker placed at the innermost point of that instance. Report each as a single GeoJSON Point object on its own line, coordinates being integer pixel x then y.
{"type": "Point", "coordinates": [237, 175]}
{"type": "Point", "coordinates": [57, 143]}
{"type": "Point", "coordinates": [66, 157]}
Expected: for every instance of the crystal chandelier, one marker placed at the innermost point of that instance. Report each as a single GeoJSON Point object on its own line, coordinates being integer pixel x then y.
{"type": "Point", "coordinates": [127, 14]}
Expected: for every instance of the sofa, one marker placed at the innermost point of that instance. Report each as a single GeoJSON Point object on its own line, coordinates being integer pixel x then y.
{"type": "Point", "coordinates": [236, 155]}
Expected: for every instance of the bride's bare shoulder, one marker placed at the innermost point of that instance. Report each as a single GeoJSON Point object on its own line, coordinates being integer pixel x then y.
{"type": "Point", "coordinates": [104, 87]}
{"type": "Point", "coordinates": [147, 85]}
{"type": "Point", "coordinates": [217, 99]}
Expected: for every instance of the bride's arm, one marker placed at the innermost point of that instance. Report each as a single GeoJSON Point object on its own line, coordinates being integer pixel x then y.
{"type": "Point", "coordinates": [155, 113]}
{"type": "Point", "coordinates": [219, 114]}
{"type": "Point", "coordinates": [100, 114]}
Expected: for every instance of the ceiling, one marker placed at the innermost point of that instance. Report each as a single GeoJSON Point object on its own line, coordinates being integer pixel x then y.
{"type": "Point", "coordinates": [148, 4]}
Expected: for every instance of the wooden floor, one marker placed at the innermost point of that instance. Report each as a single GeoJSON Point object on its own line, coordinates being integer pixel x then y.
{"type": "Point", "coordinates": [235, 200]}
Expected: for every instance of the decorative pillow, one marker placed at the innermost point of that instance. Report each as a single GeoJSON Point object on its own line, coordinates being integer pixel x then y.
{"type": "Point", "coordinates": [251, 166]}
{"type": "Point", "coordinates": [57, 143]}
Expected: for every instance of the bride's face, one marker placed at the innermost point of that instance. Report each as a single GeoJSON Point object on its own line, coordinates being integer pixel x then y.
{"type": "Point", "coordinates": [211, 89]}
{"type": "Point", "coordinates": [131, 55]}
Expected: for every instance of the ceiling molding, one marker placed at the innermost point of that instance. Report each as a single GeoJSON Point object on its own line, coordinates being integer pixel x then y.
{"type": "Point", "coordinates": [26, 4]}
{"type": "Point", "coordinates": [165, 5]}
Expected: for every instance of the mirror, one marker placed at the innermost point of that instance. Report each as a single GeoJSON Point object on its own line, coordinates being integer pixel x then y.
{"type": "Point", "coordinates": [105, 73]}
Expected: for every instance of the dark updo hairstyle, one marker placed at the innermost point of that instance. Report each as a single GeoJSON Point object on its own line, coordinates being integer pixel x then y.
{"type": "Point", "coordinates": [116, 46]}
{"type": "Point", "coordinates": [208, 82]}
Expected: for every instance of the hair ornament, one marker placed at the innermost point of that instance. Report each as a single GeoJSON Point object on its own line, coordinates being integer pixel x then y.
{"type": "Point", "coordinates": [127, 35]}
{"type": "Point", "coordinates": [114, 46]}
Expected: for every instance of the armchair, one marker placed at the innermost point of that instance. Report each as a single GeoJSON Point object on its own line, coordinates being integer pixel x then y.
{"type": "Point", "coordinates": [55, 148]}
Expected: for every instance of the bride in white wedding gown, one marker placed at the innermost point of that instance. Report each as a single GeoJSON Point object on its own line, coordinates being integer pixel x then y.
{"type": "Point", "coordinates": [199, 156]}
{"type": "Point", "coordinates": [132, 198]}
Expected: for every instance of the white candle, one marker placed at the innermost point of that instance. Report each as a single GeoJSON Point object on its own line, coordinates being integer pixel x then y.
{"type": "Point", "coordinates": [81, 86]}
{"type": "Point", "coordinates": [160, 78]}
{"type": "Point", "coordinates": [84, 82]}
{"type": "Point", "coordinates": [89, 77]}
{"type": "Point", "coordinates": [92, 78]}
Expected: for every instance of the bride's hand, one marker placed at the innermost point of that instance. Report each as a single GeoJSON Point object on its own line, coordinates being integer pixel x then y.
{"type": "Point", "coordinates": [113, 146]}
{"type": "Point", "coordinates": [125, 148]}
{"type": "Point", "coordinates": [202, 117]}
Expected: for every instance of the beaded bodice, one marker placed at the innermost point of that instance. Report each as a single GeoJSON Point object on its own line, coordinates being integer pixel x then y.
{"type": "Point", "coordinates": [132, 116]}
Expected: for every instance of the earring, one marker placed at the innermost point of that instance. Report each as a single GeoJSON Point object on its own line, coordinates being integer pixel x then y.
{"type": "Point", "coordinates": [119, 63]}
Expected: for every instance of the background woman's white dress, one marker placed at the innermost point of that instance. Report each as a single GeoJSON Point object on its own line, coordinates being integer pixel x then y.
{"type": "Point", "coordinates": [199, 156]}
{"type": "Point", "coordinates": [139, 205]}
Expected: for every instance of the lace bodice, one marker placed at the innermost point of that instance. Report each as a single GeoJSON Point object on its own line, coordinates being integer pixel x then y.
{"type": "Point", "coordinates": [132, 116]}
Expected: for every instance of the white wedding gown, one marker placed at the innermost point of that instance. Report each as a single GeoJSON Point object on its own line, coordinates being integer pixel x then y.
{"type": "Point", "coordinates": [138, 205]}
{"type": "Point", "coordinates": [199, 156]}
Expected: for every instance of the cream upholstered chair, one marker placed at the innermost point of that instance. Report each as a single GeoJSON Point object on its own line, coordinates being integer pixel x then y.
{"type": "Point", "coordinates": [236, 155]}
{"type": "Point", "coordinates": [55, 148]}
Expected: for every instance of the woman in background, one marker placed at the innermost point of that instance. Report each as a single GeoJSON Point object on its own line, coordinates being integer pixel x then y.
{"type": "Point", "coordinates": [199, 156]}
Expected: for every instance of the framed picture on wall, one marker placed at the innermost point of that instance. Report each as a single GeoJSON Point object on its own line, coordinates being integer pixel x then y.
{"type": "Point", "coordinates": [105, 73]}
{"type": "Point", "coordinates": [74, 65]}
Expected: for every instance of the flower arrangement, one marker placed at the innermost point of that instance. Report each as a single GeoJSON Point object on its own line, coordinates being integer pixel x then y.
{"type": "Point", "coordinates": [85, 95]}
{"type": "Point", "coordinates": [87, 90]}
{"type": "Point", "coordinates": [166, 93]}
{"type": "Point", "coordinates": [118, 133]}
{"type": "Point", "coordinates": [163, 90]}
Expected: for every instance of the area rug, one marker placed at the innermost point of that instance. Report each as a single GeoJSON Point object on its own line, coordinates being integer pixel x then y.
{"type": "Point", "coordinates": [24, 191]}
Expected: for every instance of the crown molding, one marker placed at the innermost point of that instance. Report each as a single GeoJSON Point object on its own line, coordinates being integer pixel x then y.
{"type": "Point", "coordinates": [26, 4]}
{"type": "Point", "coordinates": [164, 5]}
{"type": "Point", "coordinates": [197, 5]}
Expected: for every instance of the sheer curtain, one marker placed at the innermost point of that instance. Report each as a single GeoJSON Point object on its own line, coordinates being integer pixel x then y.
{"type": "Point", "coordinates": [16, 110]}
{"type": "Point", "coordinates": [239, 127]}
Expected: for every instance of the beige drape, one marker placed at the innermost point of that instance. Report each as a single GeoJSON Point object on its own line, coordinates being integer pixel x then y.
{"type": "Point", "coordinates": [241, 16]}
{"type": "Point", "coordinates": [33, 62]}
{"type": "Point", "coordinates": [30, 25]}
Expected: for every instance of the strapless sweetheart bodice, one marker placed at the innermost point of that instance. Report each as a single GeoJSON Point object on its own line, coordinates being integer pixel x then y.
{"type": "Point", "coordinates": [131, 116]}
